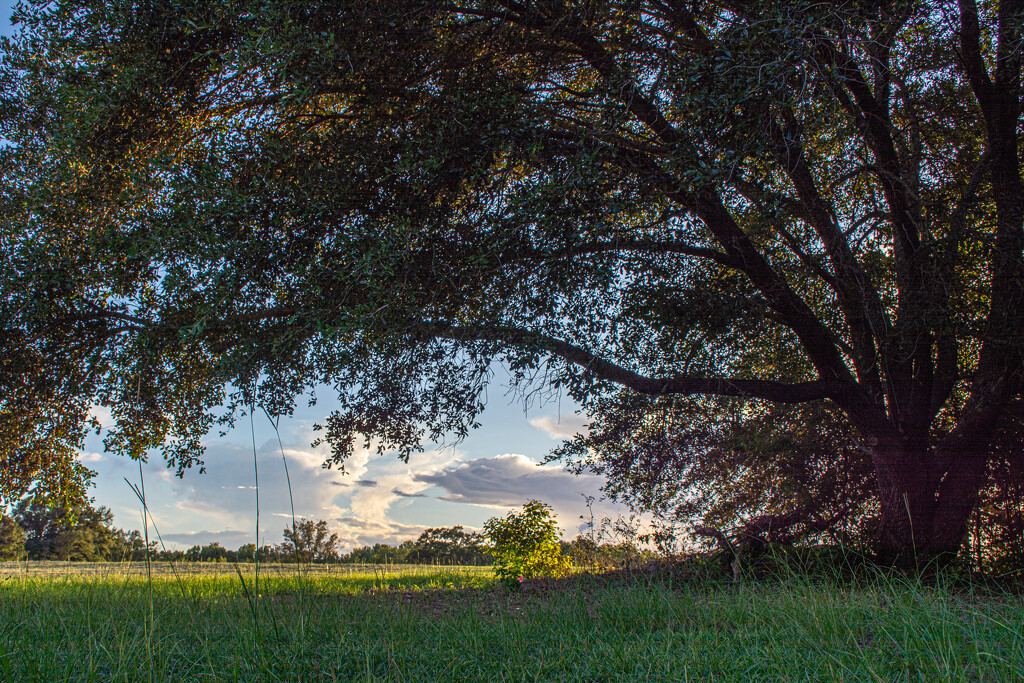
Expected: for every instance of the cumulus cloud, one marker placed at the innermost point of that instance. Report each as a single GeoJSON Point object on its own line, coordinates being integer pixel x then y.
{"type": "Point", "coordinates": [564, 427]}
{"type": "Point", "coordinates": [225, 495]}
{"type": "Point", "coordinates": [355, 531]}
{"type": "Point", "coordinates": [511, 479]}
{"type": "Point", "coordinates": [90, 456]}
{"type": "Point", "coordinates": [508, 479]}
{"type": "Point", "coordinates": [367, 520]}
{"type": "Point", "coordinates": [356, 505]}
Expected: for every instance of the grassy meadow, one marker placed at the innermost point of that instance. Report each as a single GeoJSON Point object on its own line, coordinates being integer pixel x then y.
{"type": "Point", "coordinates": [209, 623]}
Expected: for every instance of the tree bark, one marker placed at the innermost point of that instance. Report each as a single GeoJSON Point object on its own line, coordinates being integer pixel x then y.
{"type": "Point", "coordinates": [906, 502]}
{"type": "Point", "coordinates": [927, 496]}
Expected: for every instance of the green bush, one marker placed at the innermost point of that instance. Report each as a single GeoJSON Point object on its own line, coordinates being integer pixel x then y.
{"type": "Point", "coordinates": [525, 544]}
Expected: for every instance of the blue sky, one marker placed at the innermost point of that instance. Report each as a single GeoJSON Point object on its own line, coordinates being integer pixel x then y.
{"type": "Point", "coordinates": [381, 499]}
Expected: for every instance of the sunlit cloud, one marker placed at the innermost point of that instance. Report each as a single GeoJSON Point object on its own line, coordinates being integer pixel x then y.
{"type": "Point", "coordinates": [564, 427]}
{"type": "Point", "coordinates": [367, 519]}
{"type": "Point", "coordinates": [225, 495]}
{"type": "Point", "coordinates": [356, 504]}
{"type": "Point", "coordinates": [512, 479]}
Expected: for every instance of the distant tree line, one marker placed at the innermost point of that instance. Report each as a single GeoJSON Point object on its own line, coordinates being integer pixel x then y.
{"type": "Point", "coordinates": [35, 531]}
{"type": "Point", "coordinates": [442, 545]}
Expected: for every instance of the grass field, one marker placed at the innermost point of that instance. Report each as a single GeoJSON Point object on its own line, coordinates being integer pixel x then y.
{"type": "Point", "coordinates": [456, 624]}
{"type": "Point", "coordinates": [167, 570]}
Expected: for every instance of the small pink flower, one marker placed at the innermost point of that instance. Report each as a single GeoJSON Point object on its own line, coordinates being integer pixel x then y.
{"type": "Point", "coordinates": [520, 579]}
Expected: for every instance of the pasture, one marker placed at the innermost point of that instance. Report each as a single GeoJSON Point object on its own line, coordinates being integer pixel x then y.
{"type": "Point", "coordinates": [82, 622]}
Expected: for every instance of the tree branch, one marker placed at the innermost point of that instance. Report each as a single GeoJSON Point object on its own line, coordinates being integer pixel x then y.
{"type": "Point", "coordinates": [858, 298]}
{"type": "Point", "coordinates": [782, 392]}
{"type": "Point", "coordinates": [970, 53]}
{"type": "Point", "coordinates": [645, 245]}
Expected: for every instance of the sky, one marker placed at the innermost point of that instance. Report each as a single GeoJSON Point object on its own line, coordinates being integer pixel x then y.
{"type": "Point", "coordinates": [379, 500]}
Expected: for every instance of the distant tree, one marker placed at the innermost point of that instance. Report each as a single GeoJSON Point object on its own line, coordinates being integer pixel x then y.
{"type": "Point", "coordinates": [132, 546]}
{"type": "Point", "coordinates": [170, 555]}
{"type": "Point", "coordinates": [270, 553]}
{"type": "Point", "coordinates": [448, 545]}
{"type": "Point", "coordinates": [213, 552]}
{"type": "Point", "coordinates": [246, 553]}
{"type": "Point", "coordinates": [310, 541]}
{"type": "Point", "coordinates": [12, 539]}
{"type": "Point", "coordinates": [81, 533]}
{"type": "Point", "coordinates": [381, 553]}
{"type": "Point", "coordinates": [194, 554]}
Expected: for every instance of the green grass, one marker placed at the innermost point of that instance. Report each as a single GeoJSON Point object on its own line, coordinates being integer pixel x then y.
{"type": "Point", "coordinates": [430, 624]}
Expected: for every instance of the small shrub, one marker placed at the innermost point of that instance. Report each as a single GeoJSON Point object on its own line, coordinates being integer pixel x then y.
{"type": "Point", "coordinates": [525, 545]}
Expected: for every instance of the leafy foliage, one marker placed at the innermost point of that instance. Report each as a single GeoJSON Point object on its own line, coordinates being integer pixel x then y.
{"type": "Point", "coordinates": [525, 544]}
{"type": "Point", "coordinates": [309, 541]}
{"type": "Point", "coordinates": [81, 533]}
{"type": "Point", "coordinates": [214, 205]}
{"type": "Point", "coordinates": [796, 470]}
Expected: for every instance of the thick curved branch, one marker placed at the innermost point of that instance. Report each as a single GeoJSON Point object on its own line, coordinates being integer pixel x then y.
{"type": "Point", "coordinates": [820, 344]}
{"type": "Point", "coordinates": [818, 341]}
{"type": "Point", "coordinates": [685, 385]}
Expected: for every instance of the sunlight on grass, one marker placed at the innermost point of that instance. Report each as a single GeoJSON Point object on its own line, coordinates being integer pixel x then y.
{"type": "Point", "coordinates": [457, 623]}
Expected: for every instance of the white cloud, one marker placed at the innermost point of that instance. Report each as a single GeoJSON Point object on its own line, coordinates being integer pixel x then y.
{"type": "Point", "coordinates": [367, 521]}
{"type": "Point", "coordinates": [564, 427]}
{"type": "Point", "coordinates": [90, 456]}
{"type": "Point", "coordinates": [102, 415]}
{"type": "Point", "coordinates": [512, 479]}
{"type": "Point", "coordinates": [225, 495]}
{"type": "Point", "coordinates": [356, 505]}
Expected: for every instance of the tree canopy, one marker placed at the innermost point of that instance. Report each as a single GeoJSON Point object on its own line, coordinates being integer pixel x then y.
{"type": "Point", "coordinates": [224, 202]}
{"type": "Point", "coordinates": [308, 541]}
{"type": "Point", "coordinates": [79, 533]}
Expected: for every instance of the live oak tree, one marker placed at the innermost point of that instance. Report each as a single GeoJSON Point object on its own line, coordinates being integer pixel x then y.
{"type": "Point", "coordinates": [79, 533]}
{"type": "Point", "coordinates": [309, 541]}
{"type": "Point", "coordinates": [782, 202]}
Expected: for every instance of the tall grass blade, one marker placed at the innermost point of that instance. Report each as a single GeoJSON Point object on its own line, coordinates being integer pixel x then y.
{"type": "Point", "coordinates": [256, 553]}
{"type": "Point", "coordinates": [291, 500]}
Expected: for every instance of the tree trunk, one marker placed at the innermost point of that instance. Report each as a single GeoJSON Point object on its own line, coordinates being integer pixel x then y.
{"type": "Point", "coordinates": [926, 499]}
{"type": "Point", "coordinates": [906, 504]}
